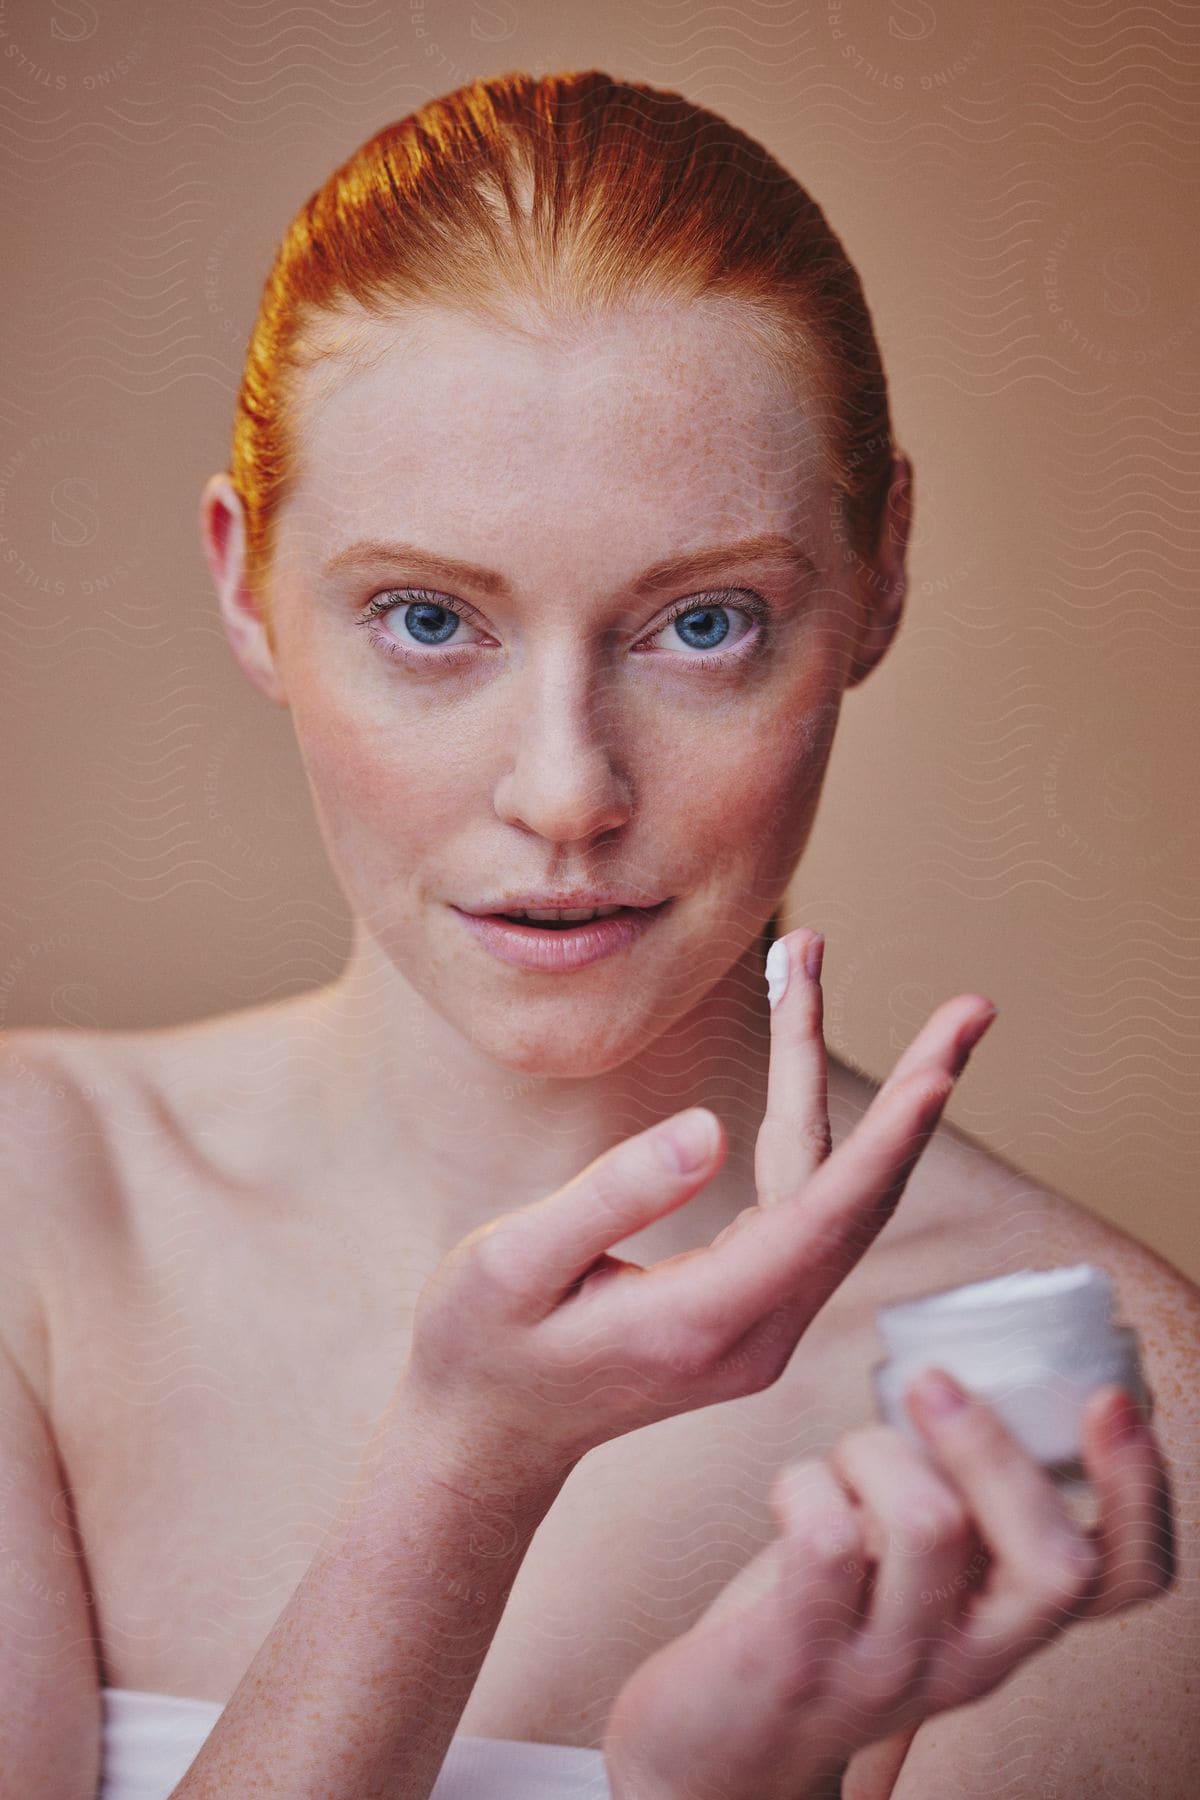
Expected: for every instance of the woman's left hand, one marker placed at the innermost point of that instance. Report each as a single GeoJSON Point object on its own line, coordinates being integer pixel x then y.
{"type": "Point", "coordinates": [904, 1582]}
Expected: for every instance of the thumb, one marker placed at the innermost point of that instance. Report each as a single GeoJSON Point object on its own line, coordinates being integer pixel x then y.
{"type": "Point", "coordinates": [555, 1240]}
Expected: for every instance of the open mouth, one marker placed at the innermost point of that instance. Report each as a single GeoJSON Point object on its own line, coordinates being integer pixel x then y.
{"type": "Point", "coordinates": [556, 945]}
{"type": "Point", "coordinates": [615, 912]}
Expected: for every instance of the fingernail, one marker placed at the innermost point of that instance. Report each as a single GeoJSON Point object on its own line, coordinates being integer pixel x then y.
{"type": "Point", "coordinates": [980, 1026]}
{"type": "Point", "coordinates": [814, 956]}
{"type": "Point", "coordinates": [939, 1394]}
{"type": "Point", "coordinates": [776, 972]}
{"type": "Point", "coordinates": [1127, 1424]}
{"type": "Point", "coordinates": [691, 1139]}
{"type": "Point", "coordinates": [970, 1037]}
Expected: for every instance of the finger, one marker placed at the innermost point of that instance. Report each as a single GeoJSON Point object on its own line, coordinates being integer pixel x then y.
{"type": "Point", "coordinates": [767, 1645]}
{"type": "Point", "coordinates": [820, 1595]}
{"type": "Point", "coordinates": [873, 1769]}
{"type": "Point", "coordinates": [539, 1251]}
{"type": "Point", "coordinates": [794, 1137]}
{"type": "Point", "coordinates": [1136, 1528]}
{"type": "Point", "coordinates": [807, 1502]}
{"type": "Point", "coordinates": [790, 1257]}
{"type": "Point", "coordinates": [966, 1017]}
{"type": "Point", "coordinates": [1042, 1564]}
{"type": "Point", "coordinates": [926, 1552]}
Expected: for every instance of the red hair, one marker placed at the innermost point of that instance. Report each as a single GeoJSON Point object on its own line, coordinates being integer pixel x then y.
{"type": "Point", "coordinates": [534, 202]}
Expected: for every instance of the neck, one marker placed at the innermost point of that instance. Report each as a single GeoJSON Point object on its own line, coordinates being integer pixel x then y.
{"type": "Point", "coordinates": [424, 1115]}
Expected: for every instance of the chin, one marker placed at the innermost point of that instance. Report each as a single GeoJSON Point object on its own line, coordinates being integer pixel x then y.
{"type": "Point", "coordinates": [566, 1051]}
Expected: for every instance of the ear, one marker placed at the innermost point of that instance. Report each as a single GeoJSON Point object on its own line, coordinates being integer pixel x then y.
{"type": "Point", "coordinates": [223, 532]}
{"type": "Point", "coordinates": [884, 581]}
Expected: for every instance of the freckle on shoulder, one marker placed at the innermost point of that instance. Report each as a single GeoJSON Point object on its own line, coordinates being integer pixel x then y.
{"type": "Point", "coordinates": [968, 1211]}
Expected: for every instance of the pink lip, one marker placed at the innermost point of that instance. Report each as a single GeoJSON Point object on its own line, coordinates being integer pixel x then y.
{"type": "Point", "coordinates": [554, 952]}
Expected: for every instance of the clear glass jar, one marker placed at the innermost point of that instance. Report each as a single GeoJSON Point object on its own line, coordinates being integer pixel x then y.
{"type": "Point", "coordinates": [1033, 1344]}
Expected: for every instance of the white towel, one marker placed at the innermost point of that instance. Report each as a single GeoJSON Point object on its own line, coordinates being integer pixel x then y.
{"type": "Point", "coordinates": [151, 1740]}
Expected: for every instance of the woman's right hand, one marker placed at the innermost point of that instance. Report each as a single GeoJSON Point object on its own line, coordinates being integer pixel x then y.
{"type": "Point", "coordinates": [530, 1328]}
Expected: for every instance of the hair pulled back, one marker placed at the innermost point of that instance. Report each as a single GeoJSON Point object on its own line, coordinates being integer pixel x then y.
{"type": "Point", "coordinates": [535, 203]}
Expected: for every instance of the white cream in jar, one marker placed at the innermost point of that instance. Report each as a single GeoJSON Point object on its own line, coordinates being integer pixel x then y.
{"type": "Point", "coordinates": [1033, 1345]}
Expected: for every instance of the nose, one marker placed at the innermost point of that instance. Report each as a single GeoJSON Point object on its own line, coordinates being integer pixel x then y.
{"type": "Point", "coordinates": [563, 781]}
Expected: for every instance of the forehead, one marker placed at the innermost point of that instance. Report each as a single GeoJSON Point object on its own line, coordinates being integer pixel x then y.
{"type": "Point", "coordinates": [666, 428]}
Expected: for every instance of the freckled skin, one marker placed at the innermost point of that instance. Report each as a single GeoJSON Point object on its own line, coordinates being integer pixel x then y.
{"type": "Point", "coordinates": [427, 1089]}
{"type": "Point", "coordinates": [555, 752]}
{"type": "Point", "coordinates": [569, 471]}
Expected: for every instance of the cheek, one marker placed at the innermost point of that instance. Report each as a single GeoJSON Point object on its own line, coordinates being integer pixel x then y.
{"type": "Point", "coordinates": [381, 790]}
{"type": "Point", "coordinates": [749, 789]}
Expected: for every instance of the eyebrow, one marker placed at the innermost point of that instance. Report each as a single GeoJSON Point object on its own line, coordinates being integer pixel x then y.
{"type": "Point", "coordinates": [774, 546]}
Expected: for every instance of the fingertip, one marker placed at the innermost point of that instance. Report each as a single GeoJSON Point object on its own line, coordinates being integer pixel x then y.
{"type": "Point", "coordinates": [1123, 1421]}
{"type": "Point", "coordinates": [1118, 1441]}
{"type": "Point", "coordinates": [970, 1035]}
{"type": "Point", "coordinates": [933, 1396]}
{"type": "Point", "coordinates": [689, 1140]}
{"type": "Point", "coordinates": [1127, 1467]}
{"type": "Point", "coordinates": [798, 953]}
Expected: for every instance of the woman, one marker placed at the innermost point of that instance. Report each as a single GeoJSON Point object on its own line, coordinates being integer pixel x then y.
{"type": "Point", "coordinates": [563, 510]}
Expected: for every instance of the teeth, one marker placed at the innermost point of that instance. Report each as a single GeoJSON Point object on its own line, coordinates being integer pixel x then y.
{"type": "Point", "coordinates": [562, 912]}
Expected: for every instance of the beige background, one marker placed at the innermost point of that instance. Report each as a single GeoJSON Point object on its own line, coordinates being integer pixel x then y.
{"type": "Point", "coordinates": [1011, 803]}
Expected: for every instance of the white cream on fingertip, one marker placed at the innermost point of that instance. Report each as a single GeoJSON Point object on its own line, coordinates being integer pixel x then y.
{"type": "Point", "coordinates": [776, 972]}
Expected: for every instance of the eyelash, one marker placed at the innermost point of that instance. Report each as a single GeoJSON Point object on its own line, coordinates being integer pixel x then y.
{"type": "Point", "coordinates": [750, 604]}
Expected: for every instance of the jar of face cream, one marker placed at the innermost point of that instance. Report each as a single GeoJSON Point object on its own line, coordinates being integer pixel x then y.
{"type": "Point", "coordinates": [1033, 1345]}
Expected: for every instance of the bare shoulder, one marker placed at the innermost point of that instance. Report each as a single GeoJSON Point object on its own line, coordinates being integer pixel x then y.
{"type": "Point", "coordinates": [61, 1091]}
{"type": "Point", "coordinates": [224, 1087]}
{"type": "Point", "coordinates": [969, 1213]}
{"type": "Point", "coordinates": [1114, 1696]}
{"type": "Point", "coordinates": [980, 1216]}
{"type": "Point", "coordinates": [55, 1160]}
{"type": "Point", "coordinates": [985, 1209]}
{"type": "Point", "coordinates": [1066, 1714]}
{"type": "Point", "coordinates": [89, 1118]}
{"type": "Point", "coordinates": [75, 1105]}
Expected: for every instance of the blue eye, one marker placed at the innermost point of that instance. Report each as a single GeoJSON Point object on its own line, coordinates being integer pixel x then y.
{"type": "Point", "coordinates": [418, 621]}
{"type": "Point", "coordinates": [706, 625]}
{"type": "Point", "coordinates": [429, 619]}
{"type": "Point", "coordinates": [713, 627]}
{"type": "Point", "coordinates": [432, 620]}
